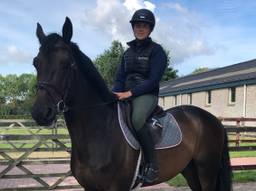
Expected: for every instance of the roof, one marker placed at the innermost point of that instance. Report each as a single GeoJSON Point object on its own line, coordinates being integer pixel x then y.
{"type": "Point", "coordinates": [226, 77]}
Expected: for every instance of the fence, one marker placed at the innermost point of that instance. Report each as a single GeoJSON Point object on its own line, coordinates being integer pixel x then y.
{"type": "Point", "coordinates": [23, 144]}
{"type": "Point", "coordinates": [239, 128]}
{"type": "Point", "coordinates": [32, 147]}
{"type": "Point", "coordinates": [243, 137]}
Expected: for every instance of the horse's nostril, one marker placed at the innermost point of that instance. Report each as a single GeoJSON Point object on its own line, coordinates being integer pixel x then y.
{"type": "Point", "coordinates": [49, 113]}
{"type": "Point", "coordinates": [43, 115]}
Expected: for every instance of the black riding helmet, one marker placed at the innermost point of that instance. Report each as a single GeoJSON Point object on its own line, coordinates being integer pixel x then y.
{"type": "Point", "coordinates": [143, 15]}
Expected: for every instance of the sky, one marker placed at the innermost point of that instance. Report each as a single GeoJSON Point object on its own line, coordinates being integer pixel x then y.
{"type": "Point", "coordinates": [197, 33]}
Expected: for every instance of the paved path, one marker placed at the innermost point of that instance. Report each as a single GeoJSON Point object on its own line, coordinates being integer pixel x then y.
{"type": "Point", "coordinates": [250, 186]}
{"type": "Point", "coordinates": [164, 187]}
{"type": "Point", "coordinates": [243, 161]}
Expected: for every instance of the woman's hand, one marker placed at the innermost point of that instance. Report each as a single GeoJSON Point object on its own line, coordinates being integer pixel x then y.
{"type": "Point", "coordinates": [123, 95]}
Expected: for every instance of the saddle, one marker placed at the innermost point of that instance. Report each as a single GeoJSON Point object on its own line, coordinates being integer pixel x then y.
{"type": "Point", "coordinates": [154, 126]}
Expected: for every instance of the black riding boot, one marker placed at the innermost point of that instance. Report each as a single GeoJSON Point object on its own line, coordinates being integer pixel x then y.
{"type": "Point", "coordinates": [147, 145]}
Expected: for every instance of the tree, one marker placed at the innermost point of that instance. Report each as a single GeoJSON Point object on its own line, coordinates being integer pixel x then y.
{"type": "Point", "coordinates": [199, 70]}
{"type": "Point", "coordinates": [2, 90]}
{"type": "Point", "coordinates": [108, 62]}
{"type": "Point", "coordinates": [169, 73]}
{"type": "Point", "coordinates": [27, 88]}
{"type": "Point", "coordinates": [17, 93]}
{"type": "Point", "coordinates": [10, 87]}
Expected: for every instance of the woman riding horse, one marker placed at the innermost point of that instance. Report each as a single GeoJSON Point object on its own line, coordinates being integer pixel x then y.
{"type": "Point", "coordinates": [101, 159]}
{"type": "Point", "coordinates": [138, 77]}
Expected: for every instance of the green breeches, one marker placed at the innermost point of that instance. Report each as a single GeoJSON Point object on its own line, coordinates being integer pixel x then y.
{"type": "Point", "coordinates": [142, 106]}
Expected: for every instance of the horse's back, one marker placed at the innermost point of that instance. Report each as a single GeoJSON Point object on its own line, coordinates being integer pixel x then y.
{"type": "Point", "coordinates": [197, 123]}
{"type": "Point", "coordinates": [195, 114]}
{"type": "Point", "coordinates": [188, 109]}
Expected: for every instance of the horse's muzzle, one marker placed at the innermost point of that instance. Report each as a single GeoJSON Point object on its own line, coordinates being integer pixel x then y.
{"type": "Point", "coordinates": [43, 115]}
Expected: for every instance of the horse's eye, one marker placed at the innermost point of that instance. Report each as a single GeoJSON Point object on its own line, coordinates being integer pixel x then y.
{"type": "Point", "coordinates": [35, 61]}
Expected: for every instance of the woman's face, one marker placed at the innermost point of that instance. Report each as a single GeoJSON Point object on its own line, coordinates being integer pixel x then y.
{"type": "Point", "coordinates": [141, 30]}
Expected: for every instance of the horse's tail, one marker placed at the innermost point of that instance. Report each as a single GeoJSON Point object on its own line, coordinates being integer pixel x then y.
{"type": "Point", "coordinates": [224, 180]}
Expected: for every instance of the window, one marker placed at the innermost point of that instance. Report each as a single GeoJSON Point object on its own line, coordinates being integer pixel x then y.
{"type": "Point", "coordinates": [232, 95]}
{"type": "Point", "coordinates": [190, 98]}
{"type": "Point", "coordinates": [209, 97]}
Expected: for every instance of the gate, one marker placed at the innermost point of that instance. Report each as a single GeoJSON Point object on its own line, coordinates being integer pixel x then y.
{"type": "Point", "coordinates": [27, 151]}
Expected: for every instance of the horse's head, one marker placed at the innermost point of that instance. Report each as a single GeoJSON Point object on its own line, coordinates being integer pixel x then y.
{"type": "Point", "coordinates": [53, 64]}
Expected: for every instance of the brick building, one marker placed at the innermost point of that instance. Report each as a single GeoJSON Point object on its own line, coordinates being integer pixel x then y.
{"type": "Point", "coordinates": [225, 92]}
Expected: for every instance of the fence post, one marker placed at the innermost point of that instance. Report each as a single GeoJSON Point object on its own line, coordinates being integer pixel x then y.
{"type": "Point", "coordinates": [238, 133]}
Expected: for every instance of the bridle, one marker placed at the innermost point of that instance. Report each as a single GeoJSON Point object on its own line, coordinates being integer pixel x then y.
{"type": "Point", "coordinates": [60, 106]}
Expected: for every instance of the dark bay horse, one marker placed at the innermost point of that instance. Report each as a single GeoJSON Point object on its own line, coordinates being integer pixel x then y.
{"type": "Point", "coordinates": [101, 159]}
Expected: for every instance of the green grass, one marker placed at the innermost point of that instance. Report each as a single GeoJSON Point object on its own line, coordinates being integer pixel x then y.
{"type": "Point", "coordinates": [243, 144]}
{"type": "Point", "coordinates": [28, 143]}
{"type": "Point", "coordinates": [178, 180]}
{"type": "Point", "coordinates": [244, 176]}
{"type": "Point", "coordinates": [234, 154]}
{"type": "Point", "coordinates": [238, 176]}
{"type": "Point", "coordinates": [20, 131]}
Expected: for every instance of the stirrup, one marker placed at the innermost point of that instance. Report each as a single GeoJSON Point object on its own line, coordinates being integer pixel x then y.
{"type": "Point", "coordinates": [150, 175]}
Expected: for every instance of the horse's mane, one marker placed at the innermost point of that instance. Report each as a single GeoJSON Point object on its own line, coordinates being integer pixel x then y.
{"type": "Point", "coordinates": [84, 64]}
{"type": "Point", "coordinates": [90, 72]}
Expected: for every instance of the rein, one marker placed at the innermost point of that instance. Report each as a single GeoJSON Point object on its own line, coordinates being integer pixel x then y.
{"type": "Point", "coordinates": [93, 106]}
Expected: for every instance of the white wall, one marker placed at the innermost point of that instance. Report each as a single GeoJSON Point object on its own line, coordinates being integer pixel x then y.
{"type": "Point", "coordinates": [220, 105]}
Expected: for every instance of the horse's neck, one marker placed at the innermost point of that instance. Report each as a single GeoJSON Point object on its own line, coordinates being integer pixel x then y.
{"type": "Point", "coordinates": [96, 138]}
{"type": "Point", "coordinates": [88, 121]}
{"type": "Point", "coordinates": [93, 137]}
{"type": "Point", "coordinates": [84, 93]}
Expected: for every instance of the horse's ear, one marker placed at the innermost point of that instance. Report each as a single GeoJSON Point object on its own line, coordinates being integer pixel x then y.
{"type": "Point", "coordinates": [40, 33]}
{"type": "Point", "coordinates": [67, 30]}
